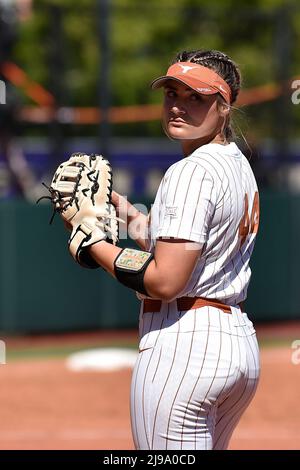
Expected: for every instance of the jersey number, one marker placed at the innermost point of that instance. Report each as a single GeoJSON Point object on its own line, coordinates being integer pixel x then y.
{"type": "Point", "coordinates": [248, 224]}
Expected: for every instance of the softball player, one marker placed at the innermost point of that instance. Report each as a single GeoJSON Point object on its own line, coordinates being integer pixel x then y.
{"type": "Point", "coordinates": [198, 363]}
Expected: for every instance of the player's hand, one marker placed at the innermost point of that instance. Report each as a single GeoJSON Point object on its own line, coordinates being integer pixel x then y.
{"type": "Point", "coordinates": [115, 198]}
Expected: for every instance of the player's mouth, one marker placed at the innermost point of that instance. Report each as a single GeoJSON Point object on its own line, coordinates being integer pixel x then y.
{"type": "Point", "coordinates": [177, 122]}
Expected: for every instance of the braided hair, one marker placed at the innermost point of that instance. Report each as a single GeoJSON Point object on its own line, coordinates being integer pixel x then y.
{"type": "Point", "coordinates": [223, 66]}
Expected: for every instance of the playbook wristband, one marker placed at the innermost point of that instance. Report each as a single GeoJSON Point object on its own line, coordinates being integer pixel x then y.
{"type": "Point", "coordinates": [130, 267]}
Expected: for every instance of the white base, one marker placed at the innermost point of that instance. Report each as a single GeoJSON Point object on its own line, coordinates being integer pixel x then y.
{"type": "Point", "coordinates": [106, 359]}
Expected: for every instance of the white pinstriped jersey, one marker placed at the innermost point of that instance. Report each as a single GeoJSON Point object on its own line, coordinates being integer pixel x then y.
{"type": "Point", "coordinates": [211, 197]}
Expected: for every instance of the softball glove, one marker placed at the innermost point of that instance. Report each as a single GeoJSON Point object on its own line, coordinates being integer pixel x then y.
{"type": "Point", "coordinates": [81, 193]}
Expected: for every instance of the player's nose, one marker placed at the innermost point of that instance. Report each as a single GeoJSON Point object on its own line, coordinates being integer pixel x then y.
{"type": "Point", "coordinates": [177, 109]}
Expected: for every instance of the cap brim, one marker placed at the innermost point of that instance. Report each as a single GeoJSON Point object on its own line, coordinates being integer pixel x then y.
{"type": "Point", "coordinates": [201, 87]}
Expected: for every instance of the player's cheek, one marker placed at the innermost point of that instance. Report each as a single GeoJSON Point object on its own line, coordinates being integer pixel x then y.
{"type": "Point", "coordinates": [211, 121]}
{"type": "Point", "coordinates": [164, 116]}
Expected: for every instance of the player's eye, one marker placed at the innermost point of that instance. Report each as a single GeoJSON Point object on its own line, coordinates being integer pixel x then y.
{"type": "Point", "coordinates": [170, 93]}
{"type": "Point", "coordinates": [195, 97]}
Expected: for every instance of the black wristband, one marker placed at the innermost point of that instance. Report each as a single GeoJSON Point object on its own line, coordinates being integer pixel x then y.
{"type": "Point", "coordinates": [130, 267]}
{"type": "Point", "coordinates": [86, 260]}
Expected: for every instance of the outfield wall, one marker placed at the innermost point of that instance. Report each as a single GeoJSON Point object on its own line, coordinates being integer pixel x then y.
{"type": "Point", "coordinates": [42, 289]}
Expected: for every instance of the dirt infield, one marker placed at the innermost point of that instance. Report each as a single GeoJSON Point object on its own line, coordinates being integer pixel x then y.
{"type": "Point", "coordinates": [46, 406]}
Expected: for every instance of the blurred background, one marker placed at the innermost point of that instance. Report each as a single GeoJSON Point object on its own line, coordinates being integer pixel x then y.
{"type": "Point", "coordinates": [77, 77]}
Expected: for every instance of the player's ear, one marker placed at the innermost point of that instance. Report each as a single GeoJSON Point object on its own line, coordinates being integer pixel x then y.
{"type": "Point", "coordinates": [223, 108]}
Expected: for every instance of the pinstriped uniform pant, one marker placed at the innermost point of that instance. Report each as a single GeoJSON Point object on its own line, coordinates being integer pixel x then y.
{"type": "Point", "coordinates": [195, 375]}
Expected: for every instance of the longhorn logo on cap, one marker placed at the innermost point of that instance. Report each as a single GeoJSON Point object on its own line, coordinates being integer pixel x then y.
{"type": "Point", "coordinates": [186, 68]}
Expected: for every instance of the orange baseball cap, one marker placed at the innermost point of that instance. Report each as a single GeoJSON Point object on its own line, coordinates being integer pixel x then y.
{"type": "Point", "coordinates": [201, 79]}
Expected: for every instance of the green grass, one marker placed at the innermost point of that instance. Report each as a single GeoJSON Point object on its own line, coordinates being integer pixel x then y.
{"type": "Point", "coordinates": [42, 352]}
{"type": "Point", "coordinates": [275, 342]}
{"type": "Point", "coordinates": [61, 351]}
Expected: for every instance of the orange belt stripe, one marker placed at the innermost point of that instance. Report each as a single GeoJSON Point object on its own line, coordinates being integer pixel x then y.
{"type": "Point", "coordinates": [187, 303]}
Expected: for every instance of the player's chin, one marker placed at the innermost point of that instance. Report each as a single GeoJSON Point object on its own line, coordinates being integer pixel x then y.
{"type": "Point", "coordinates": [177, 132]}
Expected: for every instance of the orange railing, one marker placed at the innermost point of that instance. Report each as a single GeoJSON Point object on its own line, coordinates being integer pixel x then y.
{"type": "Point", "coordinates": [46, 110]}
